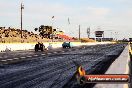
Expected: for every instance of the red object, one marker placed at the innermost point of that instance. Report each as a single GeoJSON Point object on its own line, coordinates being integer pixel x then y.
{"type": "Point", "coordinates": [107, 76]}
{"type": "Point", "coordinates": [65, 37]}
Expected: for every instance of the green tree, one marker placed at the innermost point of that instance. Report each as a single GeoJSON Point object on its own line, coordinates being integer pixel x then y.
{"type": "Point", "coordinates": [44, 31]}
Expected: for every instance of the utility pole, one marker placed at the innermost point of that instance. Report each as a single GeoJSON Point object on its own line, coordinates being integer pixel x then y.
{"type": "Point", "coordinates": [22, 7]}
{"type": "Point", "coordinates": [79, 32]}
{"type": "Point", "coordinates": [52, 29]}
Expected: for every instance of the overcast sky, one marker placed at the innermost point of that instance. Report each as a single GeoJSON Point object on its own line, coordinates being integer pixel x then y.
{"type": "Point", "coordinates": [112, 16]}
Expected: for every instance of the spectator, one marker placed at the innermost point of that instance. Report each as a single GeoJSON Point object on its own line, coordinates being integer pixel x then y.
{"type": "Point", "coordinates": [50, 47]}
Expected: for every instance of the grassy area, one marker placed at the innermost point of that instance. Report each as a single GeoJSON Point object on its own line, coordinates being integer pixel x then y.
{"type": "Point", "coordinates": [87, 40]}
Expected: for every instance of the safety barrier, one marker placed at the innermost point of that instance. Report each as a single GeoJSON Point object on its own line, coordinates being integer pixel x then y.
{"type": "Point", "coordinates": [28, 46]}
{"type": "Point", "coordinates": [130, 63]}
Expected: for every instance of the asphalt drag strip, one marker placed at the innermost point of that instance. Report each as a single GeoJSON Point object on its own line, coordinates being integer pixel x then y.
{"type": "Point", "coordinates": [57, 70]}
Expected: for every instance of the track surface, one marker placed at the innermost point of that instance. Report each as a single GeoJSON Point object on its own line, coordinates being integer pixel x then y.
{"type": "Point", "coordinates": [56, 69]}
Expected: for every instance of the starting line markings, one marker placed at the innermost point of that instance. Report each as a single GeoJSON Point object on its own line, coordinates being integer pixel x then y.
{"type": "Point", "coordinates": [35, 55]}
{"type": "Point", "coordinates": [3, 60]}
{"type": "Point", "coordinates": [22, 57]}
{"type": "Point", "coordinates": [29, 56]}
{"type": "Point", "coordinates": [55, 52]}
{"type": "Point", "coordinates": [10, 59]}
{"type": "Point", "coordinates": [49, 53]}
{"type": "Point", "coordinates": [16, 58]}
{"type": "Point", "coordinates": [43, 54]}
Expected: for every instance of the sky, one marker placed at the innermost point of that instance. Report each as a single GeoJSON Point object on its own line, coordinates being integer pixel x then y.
{"type": "Point", "coordinates": [114, 17]}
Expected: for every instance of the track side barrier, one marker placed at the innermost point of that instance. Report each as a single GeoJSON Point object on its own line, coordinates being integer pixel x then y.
{"type": "Point", "coordinates": [28, 46]}
{"type": "Point", "coordinates": [130, 64]}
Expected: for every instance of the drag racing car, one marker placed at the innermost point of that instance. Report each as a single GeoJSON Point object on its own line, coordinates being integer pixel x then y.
{"type": "Point", "coordinates": [67, 45]}
{"type": "Point", "coordinates": [39, 46]}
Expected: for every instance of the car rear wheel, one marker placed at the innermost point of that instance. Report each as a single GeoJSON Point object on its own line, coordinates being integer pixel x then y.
{"type": "Point", "coordinates": [36, 49]}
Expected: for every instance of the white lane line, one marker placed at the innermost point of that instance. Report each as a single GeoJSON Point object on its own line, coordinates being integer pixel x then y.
{"type": "Point", "coordinates": [35, 55]}
{"type": "Point", "coordinates": [55, 52]}
{"type": "Point", "coordinates": [15, 58]}
{"type": "Point", "coordinates": [10, 59]}
{"type": "Point", "coordinates": [22, 57]}
{"type": "Point", "coordinates": [43, 54]}
{"type": "Point", "coordinates": [95, 60]}
{"type": "Point", "coordinates": [29, 56]}
{"type": "Point", "coordinates": [2, 52]}
{"type": "Point", "coordinates": [3, 60]}
{"type": "Point", "coordinates": [1, 57]}
{"type": "Point", "coordinates": [52, 59]}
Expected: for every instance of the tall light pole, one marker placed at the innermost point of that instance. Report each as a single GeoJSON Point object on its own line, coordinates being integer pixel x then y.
{"type": "Point", "coordinates": [52, 28]}
{"type": "Point", "coordinates": [22, 7]}
{"type": "Point", "coordinates": [79, 32]}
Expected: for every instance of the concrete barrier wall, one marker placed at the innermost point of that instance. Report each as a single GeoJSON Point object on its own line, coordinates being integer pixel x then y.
{"type": "Point", "coordinates": [27, 46]}
{"type": "Point", "coordinates": [130, 66]}
{"type": "Point", "coordinates": [119, 66]}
